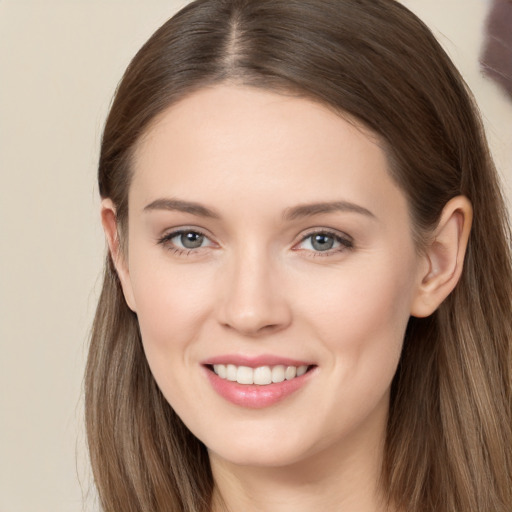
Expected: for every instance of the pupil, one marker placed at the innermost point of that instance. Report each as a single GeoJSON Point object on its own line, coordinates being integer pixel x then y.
{"type": "Point", "coordinates": [192, 240]}
{"type": "Point", "coordinates": [322, 242]}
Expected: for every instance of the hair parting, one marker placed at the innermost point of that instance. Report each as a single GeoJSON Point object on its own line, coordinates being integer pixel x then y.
{"type": "Point", "coordinates": [450, 422]}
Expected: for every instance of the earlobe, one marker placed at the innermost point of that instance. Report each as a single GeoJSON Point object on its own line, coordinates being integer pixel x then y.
{"type": "Point", "coordinates": [444, 257]}
{"type": "Point", "coordinates": [109, 222]}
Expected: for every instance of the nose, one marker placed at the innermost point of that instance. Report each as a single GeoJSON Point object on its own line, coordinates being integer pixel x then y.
{"type": "Point", "coordinates": [254, 301]}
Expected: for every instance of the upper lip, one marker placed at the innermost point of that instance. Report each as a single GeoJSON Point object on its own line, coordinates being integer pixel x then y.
{"type": "Point", "coordinates": [255, 361]}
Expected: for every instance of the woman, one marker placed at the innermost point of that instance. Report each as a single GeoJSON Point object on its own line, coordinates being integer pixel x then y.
{"type": "Point", "coordinates": [307, 294]}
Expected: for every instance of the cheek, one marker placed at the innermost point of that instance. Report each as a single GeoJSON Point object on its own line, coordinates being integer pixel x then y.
{"type": "Point", "coordinates": [171, 300]}
{"type": "Point", "coordinates": [171, 304]}
{"type": "Point", "coordinates": [360, 316]}
{"type": "Point", "coordinates": [359, 319]}
{"type": "Point", "coordinates": [367, 300]}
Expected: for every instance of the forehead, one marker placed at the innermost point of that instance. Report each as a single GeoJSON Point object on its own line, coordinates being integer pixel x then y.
{"type": "Point", "coordinates": [262, 111]}
{"type": "Point", "coordinates": [232, 142]}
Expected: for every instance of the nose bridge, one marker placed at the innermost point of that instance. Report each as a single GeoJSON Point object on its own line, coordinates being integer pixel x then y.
{"type": "Point", "coordinates": [254, 298]}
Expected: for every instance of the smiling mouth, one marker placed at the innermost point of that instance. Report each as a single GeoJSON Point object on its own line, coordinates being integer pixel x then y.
{"type": "Point", "coordinates": [261, 376]}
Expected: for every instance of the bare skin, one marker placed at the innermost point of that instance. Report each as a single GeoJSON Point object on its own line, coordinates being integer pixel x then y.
{"type": "Point", "coordinates": [267, 227]}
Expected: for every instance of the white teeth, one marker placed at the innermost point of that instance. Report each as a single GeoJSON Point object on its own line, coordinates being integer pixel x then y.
{"type": "Point", "coordinates": [245, 375]}
{"type": "Point", "coordinates": [301, 370]}
{"type": "Point", "coordinates": [230, 372]}
{"type": "Point", "coordinates": [220, 370]}
{"type": "Point", "coordinates": [263, 375]}
{"type": "Point", "coordinates": [278, 373]}
{"type": "Point", "coordinates": [290, 373]}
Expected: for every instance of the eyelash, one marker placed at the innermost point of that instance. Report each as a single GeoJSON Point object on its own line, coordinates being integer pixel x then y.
{"type": "Point", "coordinates": [165, 241]}
{"type": "Point", "coordinates": [345, 242]}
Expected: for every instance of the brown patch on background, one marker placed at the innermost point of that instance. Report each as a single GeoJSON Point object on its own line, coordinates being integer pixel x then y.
{"type": "Point", "coordinates": [496, 56]}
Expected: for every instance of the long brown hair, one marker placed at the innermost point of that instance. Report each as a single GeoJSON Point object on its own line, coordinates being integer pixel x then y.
{"type": "Point", "coordinates": [449, 439]}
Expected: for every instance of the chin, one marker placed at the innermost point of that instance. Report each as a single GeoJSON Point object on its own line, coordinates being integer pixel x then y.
{"type": "Point", "coordinates": [271, 450]}
{"type": "Point", "coordinates": [258, 457]}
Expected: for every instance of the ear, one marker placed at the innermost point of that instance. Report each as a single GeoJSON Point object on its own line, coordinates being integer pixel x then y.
{"type": "Point", "coordinates": [444, 257]}
{"type": "Point", "coordinates": [109, 222]}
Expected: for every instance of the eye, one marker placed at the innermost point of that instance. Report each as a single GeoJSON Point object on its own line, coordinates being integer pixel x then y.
{"type": "Point", "coordinates": [189, 240]}
{"type": "Point", "coordinates": [185, 240]}
{"type": "Point", "coordinates": [325, 242]}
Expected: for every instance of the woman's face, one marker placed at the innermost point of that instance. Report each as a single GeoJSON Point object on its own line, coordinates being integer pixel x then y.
{"type": "Point", "coordinates": [267, 238]}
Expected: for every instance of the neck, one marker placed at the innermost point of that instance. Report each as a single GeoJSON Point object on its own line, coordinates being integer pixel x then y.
{"type": "Point", "coordinates": [340, 478]}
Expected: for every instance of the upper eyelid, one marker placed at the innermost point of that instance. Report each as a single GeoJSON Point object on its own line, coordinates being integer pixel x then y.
{"type": "Point", "coordinates": [345, 241]}
{"type": "Point", "coordinates": [165, 241]}
{"type": "Point", "coordinates": [328, 231]}
{"type": "Point", "coordinates": [173, 232]}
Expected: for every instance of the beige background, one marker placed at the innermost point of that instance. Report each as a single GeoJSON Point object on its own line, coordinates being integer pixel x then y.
{"type": "Point", "coordinates": [59, 64]}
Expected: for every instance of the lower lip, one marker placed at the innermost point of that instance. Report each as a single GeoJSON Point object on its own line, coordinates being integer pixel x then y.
{"type": "Point", "coordinates": [253, 396]}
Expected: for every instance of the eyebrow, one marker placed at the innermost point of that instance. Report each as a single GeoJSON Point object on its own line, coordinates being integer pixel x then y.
{"type": "Point", "coordinates": [293, 213]}
{"type": "Point", "coordinates": [308, 210]}
{"type": "Point", "coordinates": [181, 206]}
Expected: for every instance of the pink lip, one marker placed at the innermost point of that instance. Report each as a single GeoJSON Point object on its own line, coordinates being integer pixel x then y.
{"type": "Point", "coordinates": [254, 396]}
{"type": "Point", "coordinates": [255, 361]}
